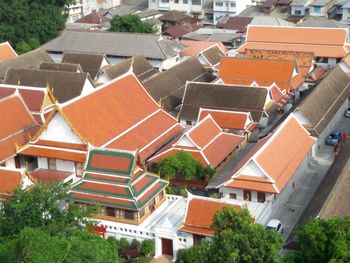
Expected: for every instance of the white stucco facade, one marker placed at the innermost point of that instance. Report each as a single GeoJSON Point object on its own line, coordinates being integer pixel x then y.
{"type": "Point", "coordinates": [229, 8]}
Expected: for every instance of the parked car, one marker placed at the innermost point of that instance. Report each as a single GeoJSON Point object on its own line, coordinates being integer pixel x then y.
{"type": "Point", "coordinates": [334, 138]}
{"type": "Point", "coordinates": [275, 224]}
{"type": "Point", "coordinates": [347, 113]}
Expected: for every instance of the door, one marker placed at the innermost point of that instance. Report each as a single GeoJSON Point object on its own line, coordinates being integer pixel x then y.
{"type": "Point", "coordinates": [167, 247]}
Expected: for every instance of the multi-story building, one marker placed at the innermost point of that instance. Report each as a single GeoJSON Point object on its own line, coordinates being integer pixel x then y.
{"type": "Point", "coordinates": [229, 8]}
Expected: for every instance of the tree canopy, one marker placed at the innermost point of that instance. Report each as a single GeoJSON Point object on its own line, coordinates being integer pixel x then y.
{"type": "Point", "coordinates": [237, 239]}
{"type": "Point", "coordinates": [323, 241]}
{"type": "Point", "coordinates": [34, 228]}
{"type": "Point", "coordinates": [132, 24]}
{"type": "Point", "coordinates": [28, 23]}
{"type": "Point", "coordinates": [184, 165]}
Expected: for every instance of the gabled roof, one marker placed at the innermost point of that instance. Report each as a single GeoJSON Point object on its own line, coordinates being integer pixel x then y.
{"type": "Point", "coordinates": [222, 97]}
{"type": "Point", "coordinates": [115, 178]}
{"type": "Point", "coordinates": [65, 85]}
{"type": "Point", "coordinates": [173, 16]}
{"type": "Point", "coordinates": [60, 67]}
{"type": "Point", "coordinates": [178, 31]}
{"type": "Point", "coordinates": [11, 178]}
{"type": "Point", "coordinates": [229, 119]}
{"type": "Point", "coordinates": [323, 42]}
{"type": "Point", "coordinates": [121, 113]}
{"type": "Point", "coordinates": [200, 212]}
{"type": "Point", "coordinates": [90, 63]}
{"type": "Point", "coordinates": [16, 127]}
{"type": "Point", "coordinates": [212, 55]}
{"type": "Point", "coordinates": [271, 164]}
{"type": "Point", "coordinates": [30, 60]}
{"type": "Point", "coordinates": [92, 18]}
{"type": "Point", "coordinates": [36, 99]}
{"type": "Point", "coordinates": [6, 51]}
{"type": "Point", "coordinates": [114, 44]}
{"type": "Point", "coordinates": [320, 106]}
{"type": "Point", "coordinates": [304, 60]}
{"type": "Point", "coordinates": [168, 87]}
{"type": "Point", "coordinates": [239, 23]}
{"type": "Point", "coordinates": [139, 65]}
{"type": "Point", "coordinates": [193, 48]}
{"type": "Point", "coordinates": [264, 72]}
{"type": "Point", "coordinates": [206, 142]}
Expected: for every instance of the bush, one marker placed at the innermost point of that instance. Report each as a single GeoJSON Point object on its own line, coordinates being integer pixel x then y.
{"type": "Point", "coordinates": [170, 190]}
{"type": "Point", "coordinates": [183, 192]}
{"type": "Point", "coordinates": [135, 243]}
{"type": "Point", "coordinates": [113, 241]}
{"type": "Point", "coordinates": [215, 195]}
{"type": "Point", "coordinates": [123, 242]}
{"type": "Point", "coordinates": [147, 247]}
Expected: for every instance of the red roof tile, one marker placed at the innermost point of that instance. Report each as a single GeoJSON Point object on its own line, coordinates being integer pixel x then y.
{"type": "Point", "coordinates": [239, 23]}
{"type": "Point", "coordinates": [204, 132]}
{"type": "Point", "coordinates": [9, 179]}
{"type": "Point", "coordinates": [92, 18]}
{"type": "Point", "coordinates": [49, 176]}
{"type": "Point", "coordinates": [195, 47]}
{"type": "Point", "coordinates": [6, 52]}
{"type": "Point", "coordinates": [102, 161]}
{"type": "Point", "coordinates": [227, 119]}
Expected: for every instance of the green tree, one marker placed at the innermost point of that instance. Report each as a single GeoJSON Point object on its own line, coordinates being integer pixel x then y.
{"type": "Point", "coordinates": [237, 239]}
{"type": "Point", "coordinates": [132, 24]}
{"type": "Point", "coordinates": [323, 241]}
{"type": "Point", "coordinates": [31, 22]}
{"type": "Point", "coordinates": [147, 247]}
{"type": "Point", "coordinates": [184, 165]}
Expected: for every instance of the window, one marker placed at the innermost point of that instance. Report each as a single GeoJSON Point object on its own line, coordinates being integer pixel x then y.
{"type": "Point", "coordinates": [188, 122]}
{"type": "Point", "coordinates": [261, 197]}
{"type": "Point", "coordinates": [247, 195]}
{"type": "Point", "coordinates": [110, 211]}
{"type": "Point", "coordinates": [196, 2]}
{"type": "Point", "coordinates": [79, 169]}
{"type": "Point", "coordinates": [142, 212]}
{"type": "Point", "coordinates": [297, 12]}
{"type": "Point", "coordinates": [51, 164]}
{"type": "Point", "coordinates": [233, 196]}
{"type": "Point", "coordinates": [176, 1]}
{"type": "Point", "coordinates": [165, 1]}
{"type": "Point", "coordinates": [185, 1]}
{"type": "Point", "coordinates": [219, 4]}
{"type": "Point", "coordinates": [321, 60]}
{"type": "Point", "coordinates": [317, 9]}
{"type": "Point", "coordinates": [233, 4]}
{"type": "Point", "coordinates": [129, 214]}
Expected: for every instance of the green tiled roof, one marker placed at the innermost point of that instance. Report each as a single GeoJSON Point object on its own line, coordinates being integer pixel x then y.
{"type": "Point", "coordinates": [159, 186]}
{"type": "Point", "coordinates": [107, 179]}
{"type": "Point", "coordinates": [106, 190]}
{"type": "Point", "coordinates": [150, 181]}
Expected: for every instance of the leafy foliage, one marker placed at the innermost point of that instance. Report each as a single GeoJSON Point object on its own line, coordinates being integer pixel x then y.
{"type": "Point", "coordinates": [28, 23]}
{"type": "Point", "coordinates": [33, 228]}
{"type": "Point", "coordinates": [184, 165]}
{"type": "Point", "coordinates": [237, 239]}
{"type": "Point", "coordinates": [132, 24]}
{"type": "Point", "coordinates": [147, 247]}
{"type": "Point", "coordinates": [323, 241]}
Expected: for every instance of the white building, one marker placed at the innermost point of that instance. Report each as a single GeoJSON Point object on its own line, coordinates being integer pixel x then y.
{"type": "Point", "coordinates": [229, 8]}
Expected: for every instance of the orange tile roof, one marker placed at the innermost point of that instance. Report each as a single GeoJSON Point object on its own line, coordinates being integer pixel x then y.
{"type": "Point", "coordinates": [72, 146]}
{"type": "Point", "coordinates": [200, 215]}
{"type": "Point", "coordinates": [195, 47]}
{"type": "Point", "coordinates": [49, 176]}
{"type": "Point", "coordinates": [304, 60]}
{"type": "Point", "coordinates": [323, 42]}
{"type": "Point", "coordinates": [244, 71]}
{"type": "Point", "coordinates": [253, 183]}
{"type": "Point", "coordinates": [57, 153]}
{"type": "Point", "coordinates": [102, 161]}
{"type": "Point", "coordinates": [6, 51]}
{"type": "Point", "coordinates": [226, 119]}
{"type": "Point", "coordinates": [120, 106]}
{"type": "Point", "coordinates": [221, 147]}
{"type": "Point", "coordinates": [157, 130]}
{"type": "Point", "coordinates": [204, 132]}
{"type": "Point", "coordinates": [9, 179]}
{"type": "Point", "coordinates": [279, 156]}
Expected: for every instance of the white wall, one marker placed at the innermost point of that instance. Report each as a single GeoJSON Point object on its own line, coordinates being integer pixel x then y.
{"type": "Point", "coordinates": [42, 163]}
{"type": "Point", "coordinates": [88, 87]}
{"type": "Point", "coordinates": [59, 130]}
{"type": "Point", "coordinates": [10, 163]}
{"type": "Point", "coordinates": [65, 166]}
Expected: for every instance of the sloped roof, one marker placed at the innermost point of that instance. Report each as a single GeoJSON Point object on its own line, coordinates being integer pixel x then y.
{"type": "Point", "coordinates": [304, 60]}
{"type": "Point", "coordinates": [223, 97]}
{"type": "Point", "coordinates": [30, 60]}
{"type": "Point", "coordinates": [6, 51]}
{"type": "Point", "coordinates": [178, 31]}
{"type": "Point", "coordinates": [244, 71]}
{"type": "Point", "coordinates": [277, 158]}
{"type": "Point", "coordinates": [118, 109]}
{"type": "Point", "coordinates": [210, 145]}
{"type": "Point", "coordinates": [92, 18]}
{"type": "Point", "coordinates": [113, 44]}
{"type": "Point", "coordinates": [239, 23]}
{"type": "Point", "coordinates": [323, 42]}
{"type": "Point", "coordinates": [213, 55]}
{"type": "Point", "coordinates": [200, 212]}
{"type": "Point", "coordinates": [10, 179]}
{"type": "Point", "coordinates": [60, 67]}
{"type": "Point", "coordinates": [173, 16]}
{"type": "Point", "coordinates": [115, 178]}
{"type": "Point", "coordinates": [324, 101]}
{"type": "Point", "coordinates": [16, 126]}
{"type": "Point", "coordinates": [139, 65]}
{"type": "Point", "coordinates": [90, 63]}
{"type": "Point", "coordinates": [193, 48]}
{"type": "Point", "coordinates": [65, 85]}
{"type": "Point", "coordinates": [168, 87]}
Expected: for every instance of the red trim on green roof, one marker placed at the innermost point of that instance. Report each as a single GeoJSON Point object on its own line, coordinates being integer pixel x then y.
{"type": "Point", "coordinates": [137, 174]}
{"type": "Point", "coordinates": [143, 184]}
{"type": "Point", "coordinates": [105, 189]}
{"type": "Point", "coordinates": [112, 162]}
{"type": "Point", "coordinates": [152, 193]}
{"type": "Point", "coordinates": [106, 178]}
{"type": "Point", "coordinates": [100, 200]}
